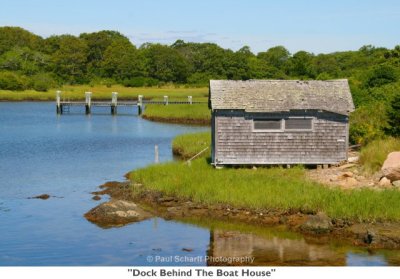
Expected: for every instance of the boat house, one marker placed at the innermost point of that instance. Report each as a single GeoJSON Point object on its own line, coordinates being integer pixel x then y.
{"type": "Point", "coordinates": [260, 122]}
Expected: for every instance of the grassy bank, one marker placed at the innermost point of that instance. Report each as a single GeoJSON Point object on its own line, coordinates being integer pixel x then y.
{"type": "Point", "coordinates": [102, 92]}
{"type": "Point", "coordinates": [374, 154]}
{"type": "Point", "coordinates": [263, 188]}
{"type": "Point", "coordinates": [187, 146]}
{"type": "Point", "coordinates": [186, 114]}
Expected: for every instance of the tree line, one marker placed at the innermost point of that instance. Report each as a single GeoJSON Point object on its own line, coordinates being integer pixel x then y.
{"type": "Point", "coordinates": [28, 61]}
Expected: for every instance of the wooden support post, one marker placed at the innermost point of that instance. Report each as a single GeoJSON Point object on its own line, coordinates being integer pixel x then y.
{"type": "Point", "coordinates": [166, 100]}
{"type": "Point", "coordinates": [190, 100]}
{"type": "Point", "coordinates": [140, 104]}
{"type": "Point", "coordinates": [156, 160]}
{"type": "Point", "coordinates": [58, 102]}
{"type": "Point", "coordinates": [88, 100]}
{"type": "Point", "coordinates": [114, 100]}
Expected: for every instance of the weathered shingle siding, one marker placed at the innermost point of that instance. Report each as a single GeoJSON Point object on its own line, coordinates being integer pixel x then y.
{"type": "Point", "coordinates": [236, 143]}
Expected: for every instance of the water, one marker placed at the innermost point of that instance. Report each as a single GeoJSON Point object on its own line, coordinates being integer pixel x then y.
{"type": "Point", "coordinates": [68, 156]}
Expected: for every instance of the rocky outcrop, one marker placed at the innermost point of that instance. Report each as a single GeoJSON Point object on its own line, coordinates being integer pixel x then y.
{"type": "Point", "coordinates": [391, 166]}
{"type": "Point", "coordinates": [116, 213]}
{"type": "Point", "coordinates": [319, 223]}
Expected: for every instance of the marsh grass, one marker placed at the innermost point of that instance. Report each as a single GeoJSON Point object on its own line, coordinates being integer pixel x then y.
{"type": "Point", "coordinates": [266, 188]}
{"type": "Point", "coordinates": [188, 145]}
{"type": "Point", "coordinates": [196, 113]}
{"type": "Point", "coordinates": [374, 154]}
{"type": "Point", "coordinates": [102, 92]}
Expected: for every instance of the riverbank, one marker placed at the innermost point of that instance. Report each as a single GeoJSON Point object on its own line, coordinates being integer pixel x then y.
{"type": "Point", "coordinates": [315, 226]}
{"type": "Point", "coordinates": [196, 114]}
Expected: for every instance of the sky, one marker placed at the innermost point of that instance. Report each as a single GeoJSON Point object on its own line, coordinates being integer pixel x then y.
{"type": "Point", "coordinates": [315, 26]}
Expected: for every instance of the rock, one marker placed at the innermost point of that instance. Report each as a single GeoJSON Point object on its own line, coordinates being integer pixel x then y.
{"type": "Point", "coordinates": [396, 183]}
{"type": "Point", "coordinates": [384, 182]}
{"type": "Point", "coordinates": [42, 197]}
{"type": "Point", "coordinates": [347, 174]}
{"type": "Point", "coordinates": [116, 213]}
{"type": "Point", "coordinates": [165, 199]}
{"type": "Point", "coordinates": [96, 198]}
{"type": "Point", "coordinates": [391, 166]}
{"type": "Point", "coordinates": [377, 235]}
{"type": "Point", "coordinates": [319, 223]}
{"type": "Point", "coordinates": [353, 159]}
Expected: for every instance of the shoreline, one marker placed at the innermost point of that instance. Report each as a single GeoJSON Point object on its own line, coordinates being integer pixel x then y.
{"type": "Point", "coordinates": [187, 121]}
{"type": "Point", "coordinates": [318, 226]}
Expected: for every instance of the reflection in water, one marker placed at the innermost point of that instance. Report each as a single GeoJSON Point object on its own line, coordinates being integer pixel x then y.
{"type": "Point", "coordinates": [284, 251]}
{"type": "Point", "coordinates": [273, 251]}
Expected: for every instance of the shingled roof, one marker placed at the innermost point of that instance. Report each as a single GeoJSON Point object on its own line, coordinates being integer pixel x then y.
{"type": "Point", "coordinates": [281, 95]}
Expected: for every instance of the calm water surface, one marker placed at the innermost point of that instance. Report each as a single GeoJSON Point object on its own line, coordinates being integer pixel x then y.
{"type": "Point", "coordinates": [68, 156]}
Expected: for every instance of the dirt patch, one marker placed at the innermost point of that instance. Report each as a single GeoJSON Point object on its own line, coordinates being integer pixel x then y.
{"type": "Point", "coordinates": [349, 175]}
{"type": "Point", "coordinates": [313, 225]}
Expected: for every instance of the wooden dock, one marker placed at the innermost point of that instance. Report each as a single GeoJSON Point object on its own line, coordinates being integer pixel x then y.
{"type": "Point", "coordinates": [64, 106]}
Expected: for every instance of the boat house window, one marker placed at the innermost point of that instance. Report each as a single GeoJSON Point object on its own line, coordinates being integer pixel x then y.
{"type": "Point", "coordinates": [268, 124]}
{"type": "Point", "coordinates": [300, 124]}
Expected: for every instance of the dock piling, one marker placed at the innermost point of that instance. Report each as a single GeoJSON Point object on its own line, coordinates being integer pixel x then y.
{"type": "Point", "coordinates": [156, 159]}
{"type": "Point", "coordinates": [114, 100]}
{"type": "Point", "coordinates": [140, 104]}
{"type": "Point", "coordinates": [88, 101]}
{"type": "Point", "coordinates": [58, 102]}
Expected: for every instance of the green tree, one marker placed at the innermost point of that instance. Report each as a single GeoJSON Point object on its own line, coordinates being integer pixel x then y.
{"type": "Point", "coordinates": [70, 58]}
{"type": "Point", "coordinates": [24, 60]}
{"type": "Point", "coordinates": [165, 63]}
{"type": "Point", "coordinates": [121, 61]}
{"type": "Point", "coordinates": [381, 75]}
{"type": "Point", "coordinates": [275, 56]}
{"type": "Point", "coordinates": [98, 43]}
{"type": "Point", "coordinates": [393, 116]}
{"type": "Point", "coordinates": [300, 65]}
{"type": "Point", "coordinates": [11, 37]}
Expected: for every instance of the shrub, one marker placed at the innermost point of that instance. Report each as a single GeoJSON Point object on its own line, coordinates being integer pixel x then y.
{"type": "Point", "coordinates": [394, 116]}
{"type": "Point", "coordinates": [13, 81]}
{"type": "Point", "coordinates": [381, 75]}
{"type": "Point", "coordinates": [43, 82]}
{"type": "Point", "coordinates": [368, 123]}
{"type": "Point", "coordinates": [374, 154]}
{"type": "Point", "coordinates": [139, 82]}
{"type": "Point", "coordinates": [202, 79]}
